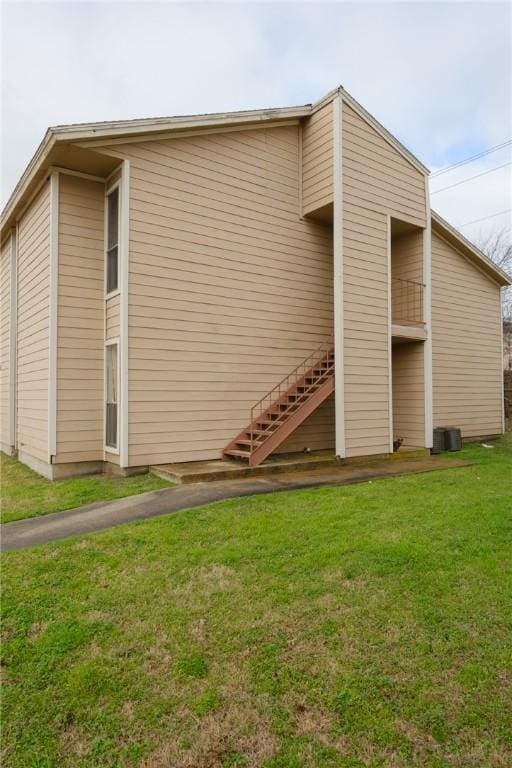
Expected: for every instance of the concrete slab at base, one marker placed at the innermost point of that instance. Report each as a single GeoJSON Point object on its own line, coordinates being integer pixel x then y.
{"type": "Point", "coordinates": [61, 471]}
{"type": "Point", "coordinates": [68, 470]}
{"type": "Point", "coordinates": [38, 465]}
{"type": "Point", "coordinates": [75, 469]}
{"type": "Point", "coordinates": [114, 470]}
{"type": "Point", "coordinates": [231, 469]}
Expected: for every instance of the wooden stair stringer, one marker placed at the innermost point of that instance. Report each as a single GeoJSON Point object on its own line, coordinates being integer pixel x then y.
{"type": "Point", "coordinates": [290, 424]}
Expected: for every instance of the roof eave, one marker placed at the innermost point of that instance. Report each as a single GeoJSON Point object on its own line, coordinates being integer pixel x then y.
{"type": "Point", "coordinates": [127, 128]}
{"type": "Point", "coordinates": [83, 131]}
{"type": "Point", "coordinates": [28, 175]}
{"type": "Point", "coordinates": [470, 250]}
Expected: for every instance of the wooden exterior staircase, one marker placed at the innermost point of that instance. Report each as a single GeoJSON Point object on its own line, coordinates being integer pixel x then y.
{"type": "Point", "coordinates": [285, 407]}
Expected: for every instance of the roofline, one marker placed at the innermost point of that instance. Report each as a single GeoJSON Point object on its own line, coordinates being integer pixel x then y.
{"type": "Point", "coordinates": [357, 107]}
{"type": "Point", "coordinates": [471, 250]}
{"type": "Point", "coordinates": [82, 131]}
{"type": "Point", "coordinates": [128, 128]}
{"type": "Point", "coordinates": [28, 174]}
{"type": "Point", "coordinates": [369, 118]}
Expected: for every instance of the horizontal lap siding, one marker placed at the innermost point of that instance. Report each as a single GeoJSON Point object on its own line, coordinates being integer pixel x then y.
{"type": "Point", "coordinates": [317, 160]}
{"type": "Point", "coordinates": [5, 342]}
{"type": "Point", "coordinates": [33, 326]}
{"type": "Point", "coordinates": [407, 256]}
{"type": "Point", "coordinates": [228, 290]}
{"type": "Point", "coordinates": [466, 345]}
{"type": "Point", "coordinates": [377, 182]}
{"type": "Point", "coordinates": [407, 264]}
{"type": "Point", "coordinates": [377, 175]}
{"type": "Point", "coordinates": [408, 394]}
{"type": "Point", "coordinates": [80, 320]}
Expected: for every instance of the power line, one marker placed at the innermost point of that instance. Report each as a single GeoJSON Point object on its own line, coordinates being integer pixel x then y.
{"type": "Point", "coordinates": [484, 218]}
{"type": "Point", "coordinates": [470, 178]}
{"type": "Point", "coordinates": [470, 159]}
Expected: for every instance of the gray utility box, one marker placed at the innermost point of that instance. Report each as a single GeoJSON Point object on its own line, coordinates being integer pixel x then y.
{"type": "Point", "coordinates": [446, 439]}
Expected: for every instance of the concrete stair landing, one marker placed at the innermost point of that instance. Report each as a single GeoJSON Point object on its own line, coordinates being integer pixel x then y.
{"type": "Point", "coordinates": [231, 469]}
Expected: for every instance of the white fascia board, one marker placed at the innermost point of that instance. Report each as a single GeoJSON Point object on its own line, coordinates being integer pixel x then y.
{"type": "Point", "coordinates": [130, 127]}
{"type": "Point", "coordinates": [32, 168]}
{"type": "Point", "coordinates": [386, 135]}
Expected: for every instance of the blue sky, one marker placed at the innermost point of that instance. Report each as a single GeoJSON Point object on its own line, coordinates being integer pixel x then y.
{"type": "Point", "coordinates": [438, 75]}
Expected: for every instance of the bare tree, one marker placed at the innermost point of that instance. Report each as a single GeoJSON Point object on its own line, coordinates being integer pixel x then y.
{"type": "Point", "coordinates": [498, 247]}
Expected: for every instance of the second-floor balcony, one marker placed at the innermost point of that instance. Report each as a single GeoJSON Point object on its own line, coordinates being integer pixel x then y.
{"type": "Point", "coordinates": [407, 302]}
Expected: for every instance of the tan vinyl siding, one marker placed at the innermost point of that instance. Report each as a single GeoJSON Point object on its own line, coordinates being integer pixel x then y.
{"type": "Point", "coordinates": [112, 321]}
{"type": "Point", "coordinates": [407, 256]}
{"type": "Point", "coordinates": [377, 182]}
{"type": "Point", "coordinates": [409, 394]}
{"type": "Point", "coordinates": [229, 289]}
{"type": "Point", "coordinates": [466, 341]}
{"type": "Point", "coordinates": [407, 265]}
{"type": "Point", "coordinates": [80, 320]}
{"type": "Point", "coordinates": [317, 160]}
{"type": "Point", "coordinates": [5, 343]}
{"type": "Point", "coordinates": [365, 331]}
{"type": "Point", "coordinates": [377, 176]}
{"type": "Point", "coordinates": [33, 327]}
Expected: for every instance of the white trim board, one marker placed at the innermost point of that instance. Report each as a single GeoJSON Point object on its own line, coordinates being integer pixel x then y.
{"type": "Point", "coordinates": [427, 311]}
{"type": "Point", "coordinates": [53, 319]}
{"type": "Point", "coordinates": [80, 174]}
{"type": "Point", "coordinates": [390, 335]}
{"type": "Point", "coordinates": [386, 135]}
{"type": "Point", "coordinates": [124, 253]}
{"type": "Point", "coordinates": [13, 337]}
{"type": "Point", "coordinates": [339, 336]}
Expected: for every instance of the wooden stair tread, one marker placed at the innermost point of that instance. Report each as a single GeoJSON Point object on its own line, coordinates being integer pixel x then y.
{"type": "Point", "coordinates": [286, 412]}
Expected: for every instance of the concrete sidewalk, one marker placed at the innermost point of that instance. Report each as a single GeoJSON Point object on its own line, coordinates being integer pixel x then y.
{"type": "Point", "coordinates": [99, 516]}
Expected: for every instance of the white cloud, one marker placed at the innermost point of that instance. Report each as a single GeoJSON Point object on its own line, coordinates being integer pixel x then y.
{"type": "Point", "coordinates": [438, 75]}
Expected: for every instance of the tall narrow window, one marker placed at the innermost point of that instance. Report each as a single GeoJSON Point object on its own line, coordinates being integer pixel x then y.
{"type": "Point", "coordinates": [111, 395]}
{"type": "Point", "coordinates": [113, 241]}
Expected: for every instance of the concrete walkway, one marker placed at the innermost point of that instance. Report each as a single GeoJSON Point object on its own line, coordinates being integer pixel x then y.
{"type": "Point", "coordinates": [98, 516]}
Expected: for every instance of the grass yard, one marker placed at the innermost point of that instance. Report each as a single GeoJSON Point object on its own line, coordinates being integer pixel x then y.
{"type": "Point", "coordinates": [368, 625]}
{"type": "Point", "coordinates": [24, 493]}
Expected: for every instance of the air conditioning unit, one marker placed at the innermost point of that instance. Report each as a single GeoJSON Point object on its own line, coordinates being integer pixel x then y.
{"type": "Point", "coordinates": [446, 439]}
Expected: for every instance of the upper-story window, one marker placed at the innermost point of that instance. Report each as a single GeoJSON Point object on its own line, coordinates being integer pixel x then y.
{"type": "Point", "coordinates": [113, 241]}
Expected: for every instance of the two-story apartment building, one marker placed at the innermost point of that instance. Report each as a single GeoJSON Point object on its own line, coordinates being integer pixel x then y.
{"type": "Point", "coordinates": [237, 284]}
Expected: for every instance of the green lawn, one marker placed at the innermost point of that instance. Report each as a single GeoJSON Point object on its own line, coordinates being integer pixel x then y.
{"type": "Point", "coordinates": [367, 625]}
{"type": "Point", "coordinates": [24, 493]}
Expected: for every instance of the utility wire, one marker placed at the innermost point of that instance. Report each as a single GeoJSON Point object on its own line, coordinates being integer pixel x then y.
{"type": "Point", "coordinates": [470, 178]}
{"type": "Point", "coordinates": [484, 218]}
{"type": "Point", "coordinates": [470, 159]}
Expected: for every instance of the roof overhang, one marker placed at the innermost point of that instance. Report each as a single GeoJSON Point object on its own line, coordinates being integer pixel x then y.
{"type": "Point", "coordinates": [470, 251]}
{"type": "Point", "coordinates": [88, 136]}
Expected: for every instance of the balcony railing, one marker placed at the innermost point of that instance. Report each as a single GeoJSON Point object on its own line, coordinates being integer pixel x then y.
{"type": "Point", "coordinates": [406, 301]}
